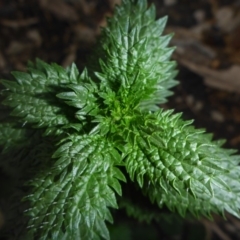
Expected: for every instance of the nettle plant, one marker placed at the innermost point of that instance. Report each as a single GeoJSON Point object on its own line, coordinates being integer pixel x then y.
{"type": "Point", "coordinates": [86, 133]}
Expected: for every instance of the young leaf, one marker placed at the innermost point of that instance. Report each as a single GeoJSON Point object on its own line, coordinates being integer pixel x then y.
{"type": "Point", "coordinates": [134, 60]}
{"type": "Point", "coordinates": [11, 137]}
{"type": "Point", "coordinates": [181, 167]}
{"type": "Point", "coordinates": [73, 197]}
{"type": "Point", "coordinates": [33, 95]}
{"type": "Point", "coordinates": [83, 96]}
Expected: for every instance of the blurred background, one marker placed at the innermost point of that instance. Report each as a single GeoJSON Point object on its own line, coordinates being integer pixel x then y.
{"type": "Point", "coordinates": [207, 36]}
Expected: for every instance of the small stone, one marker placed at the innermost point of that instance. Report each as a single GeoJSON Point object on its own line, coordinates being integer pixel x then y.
{"type": "Point", "coordinates": [169, 3]}
{"type": "Point", "coordinates": [190, 100]}
{"type": "Point", "coordinates": [198, 106]}
{"type": "Point", "coordinates": [217, 116]}
{"type": "Point", "coordinates": [199, 15]}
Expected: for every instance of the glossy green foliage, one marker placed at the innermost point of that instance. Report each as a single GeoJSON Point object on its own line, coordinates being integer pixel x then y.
{"type": "Point", "coordinates": [181, 167]}
{"type": "Point", "coordinates": [33, 95]}
{"type": "Point", "coordinates": [11, 137]}
{"type": "Point", "coordinates": [81, 130]}
{"type": "Point", "coordinates": [133, 58]}
{"type": "Point", "coordinates": [76, 190]}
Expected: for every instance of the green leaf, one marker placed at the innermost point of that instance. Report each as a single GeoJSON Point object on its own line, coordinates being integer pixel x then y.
{"type": "Point", "coordinates": [33, 95]}
{"type": "Point", "coordinates": [11, 136]}
{"type": "Point", "coordinates": [83, 96]}
{"type": "Point", "coordinates": [144, 211]}
{"type": "Point", "coordinates": [134, 57]}
{"type": "Point", "coordinates": [182, 167]}
{"type": "Point", "coordinates": [73, 197]}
